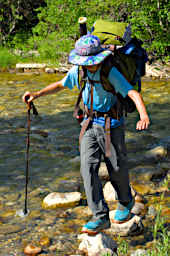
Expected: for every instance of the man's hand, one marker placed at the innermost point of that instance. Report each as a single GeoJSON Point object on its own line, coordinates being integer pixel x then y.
{"type": "Point", "coordinates": [50, 89]}
{"type": "Point", "coordinates": [28, 97]}
{"type": "Point", "coordinates": [143, 123]}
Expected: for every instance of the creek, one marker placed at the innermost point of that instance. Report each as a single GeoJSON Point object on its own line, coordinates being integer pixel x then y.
{"type": "Point", "coordinates": [54, 143]}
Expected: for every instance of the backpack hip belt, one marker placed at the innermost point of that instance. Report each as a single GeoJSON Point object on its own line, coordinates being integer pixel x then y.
{"type": "Point", "coordinates": [90, 114]}
{"type": "Point", "coordinates": [96, 114]}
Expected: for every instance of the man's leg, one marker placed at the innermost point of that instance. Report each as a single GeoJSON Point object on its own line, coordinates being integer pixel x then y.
{"type": "Point", "coordinates": [118, 172]}
{"type": "Point", "coordinates": [90, 161]}
{"type": "Point", "coordinates": [120, 177]}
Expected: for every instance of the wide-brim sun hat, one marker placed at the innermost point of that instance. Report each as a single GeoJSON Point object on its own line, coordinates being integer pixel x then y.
{"type": "Point", "coordinates": [88, 51]}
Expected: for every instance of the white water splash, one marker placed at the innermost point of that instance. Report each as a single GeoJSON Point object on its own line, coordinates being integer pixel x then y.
{"type": "Point", "coordinates": [21, 213]}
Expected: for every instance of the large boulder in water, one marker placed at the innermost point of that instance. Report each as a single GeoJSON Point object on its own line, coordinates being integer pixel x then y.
{"type": "Point", "coordinates": [133, 226]}
{"type": "Point", "coordinates": [55, 200]}
{"type": "Point", "coordinates": [100, 244]}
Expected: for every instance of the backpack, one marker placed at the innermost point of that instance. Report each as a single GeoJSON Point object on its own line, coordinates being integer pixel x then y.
{"type": "Point", "coordinates": [130, 61]}
{"type": "Point", "coordinates": [128, 57]}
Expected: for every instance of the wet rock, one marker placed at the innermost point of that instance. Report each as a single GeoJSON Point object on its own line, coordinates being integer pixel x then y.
{"type": "Point", "coordinates": [32, 250]}
{"type": "Point", "coordinates": [11, 82]}
{"type": "Point", "coordinates": [166, 213]}
{"type": "Point", "coordinates": [134, 160]}
{"type": "Point", "coordinates": [37, 137]}
{"type": "Point", "coordinates": [132, 227]}
{"type": "Point", "coordinates": [152, 211]}
{"type": "Point", "coordinates": [62, 69]}
{"type": "Point", "coordinates": [165, 142]}
{"type": "Point", "coordinates": [30, 65]}
{"type": "Point", "coordinates": [50, 70]}
{"type": "Point", "coordinates": [49, 220]}
{"type": "Point", "coordinates": [110, 193]}
{"type": "Point", "coordinates": [72, 185]}
{"type": "Point", "coordinates": [156, 70]}
{"type": "Point", "coordinates": [97, 245]}
{"type": "Point", "coordinates": [75, 255]}
{"type": "Point", "coordinates": [55, 199]}
{"type": "Point", "coordinates": [103, 173]}
{"type": "Point", "coordinates": [53, 248]}
{"type": "Point", "coordinates": [58, 246]}
{"type": "Point", "coordinates": [156, 153]}
{"type": "Point", "coordinates": [44, 241]}
{"type": "Point", "coordinates": [138, 208]}
{"type": "Point", "coordinates": [80, 211]}
{"type": "Point", "coordinates": [139, 198]}
{"type": "Point", "coordinates": [75, 160]}
{"type": "Point", "coordinates": [37, 192]}
{"type": "Point", "coordinates": [139, 252]}
{"type": "Point", "coordinates": [146, 173]}
{"type": "Point", "coordinates": [142, 189]}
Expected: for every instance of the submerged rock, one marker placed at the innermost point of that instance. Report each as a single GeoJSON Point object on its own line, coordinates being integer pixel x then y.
{"type": "Point", "coordinates": [157, 153]}
{"type": "Point", "coordinates": [7, 229]}
{"type": "Point", "coordinates": [146, 173]}
{"type": "Point", "coordinates": [44, 241]}
{"type": "Point", "coordinates": [55, 199]}
{"type": "Point", "coordinates": [100, 244]}
{"type": "Point", "coordinates": [142, 189]}
{"type": "Point", "coordinates": [32, 250]}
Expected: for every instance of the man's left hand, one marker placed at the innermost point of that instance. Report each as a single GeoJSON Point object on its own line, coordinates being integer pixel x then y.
{"type": "Point", "coordinates": [143, 124]}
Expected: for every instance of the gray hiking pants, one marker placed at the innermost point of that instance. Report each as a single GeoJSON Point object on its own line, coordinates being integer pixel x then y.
{"type": "Point", "coordinates": [91, 149]}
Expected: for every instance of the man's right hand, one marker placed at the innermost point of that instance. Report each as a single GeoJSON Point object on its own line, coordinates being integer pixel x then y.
{"type": "Point", "coordinates": [28, 97]}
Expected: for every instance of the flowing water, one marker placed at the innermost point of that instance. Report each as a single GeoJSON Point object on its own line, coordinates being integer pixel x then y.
{"type": "Point", "coordinates": [54, 142]}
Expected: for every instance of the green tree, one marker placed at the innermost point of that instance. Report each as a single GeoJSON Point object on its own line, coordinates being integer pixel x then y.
{"type": "Point", "coordinates": [51, 25]}
{"type": "Point", "coordinates": [17, 16]}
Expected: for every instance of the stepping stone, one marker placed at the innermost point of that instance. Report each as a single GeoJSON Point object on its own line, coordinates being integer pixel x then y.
{"type": "Point", "coordinates": [131, 227]}
{"type": "Point", "coordinates": [100, 244]}
{"type": "Point", "coordinates": [55, 200]}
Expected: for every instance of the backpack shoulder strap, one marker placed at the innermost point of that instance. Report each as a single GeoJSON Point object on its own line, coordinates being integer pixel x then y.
{"type": "Point", "coordinates": [82, 74]}
{"type": "Point", "coordinates": [105, 69]}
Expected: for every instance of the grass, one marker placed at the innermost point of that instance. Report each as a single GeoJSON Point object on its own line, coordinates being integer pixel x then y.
{"type": "Point", "coordinates": [161, 235]}
{"type": "Point", "coordinates": [7, 59]}
{"type": "Point", "coordinates": [161, 238]}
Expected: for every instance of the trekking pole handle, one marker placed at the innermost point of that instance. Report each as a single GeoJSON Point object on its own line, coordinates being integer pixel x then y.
{"type": "Point", "coordinates": [82, 26]}
{"type": "Point", "coordinates": [31, 106]}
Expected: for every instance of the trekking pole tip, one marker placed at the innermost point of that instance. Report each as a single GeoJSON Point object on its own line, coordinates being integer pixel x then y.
{"type": "Point", "coordinates": [22, 213]}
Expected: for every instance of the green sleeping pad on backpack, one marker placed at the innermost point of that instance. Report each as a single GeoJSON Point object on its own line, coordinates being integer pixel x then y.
{"type": "Point", "coordinates": [111, 32]}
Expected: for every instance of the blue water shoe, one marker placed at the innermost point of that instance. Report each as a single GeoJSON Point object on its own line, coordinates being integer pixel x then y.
{"type": "Point", "coordinates": [95, 226]}
{"type": "Point", "coordinates": [123, 213]}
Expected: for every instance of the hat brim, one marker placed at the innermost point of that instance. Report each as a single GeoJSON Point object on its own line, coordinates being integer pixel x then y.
{"type": "Point", "coordinates": [91, 60]}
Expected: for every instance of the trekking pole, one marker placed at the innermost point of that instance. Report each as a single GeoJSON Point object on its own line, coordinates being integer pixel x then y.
{"type": "Point", "coordinates": [82, 25]}
{"type": "Point", "coordinates": [30, 106]}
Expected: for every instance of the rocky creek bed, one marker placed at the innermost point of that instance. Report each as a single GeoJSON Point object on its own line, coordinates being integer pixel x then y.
{"type": "Point", "coordinates": [54, 167]}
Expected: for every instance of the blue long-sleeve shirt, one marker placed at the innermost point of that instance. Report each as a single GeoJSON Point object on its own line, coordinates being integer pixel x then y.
{"type": "Point", "coordinates": [102, 99]}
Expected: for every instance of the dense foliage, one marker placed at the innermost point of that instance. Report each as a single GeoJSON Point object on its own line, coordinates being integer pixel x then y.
{"type": "Point", "coordinates": [50, 26]}
{"type": "Point", "coordinates": [17, 16]}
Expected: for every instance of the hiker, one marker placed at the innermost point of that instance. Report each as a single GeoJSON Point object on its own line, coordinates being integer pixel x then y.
{"type": "Point", "coordinates": [89, 54]}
